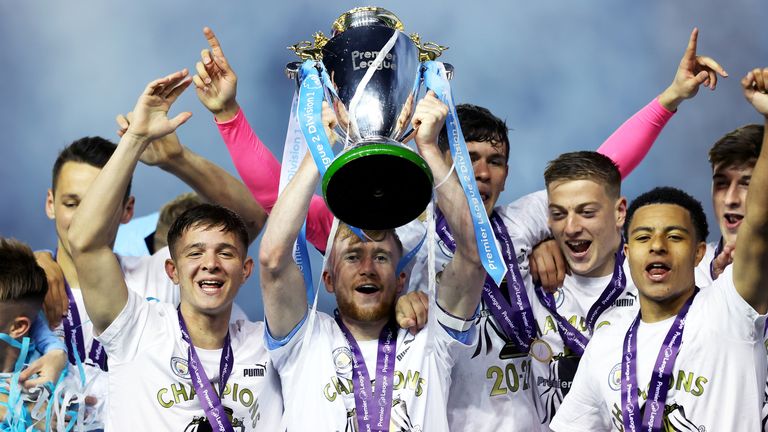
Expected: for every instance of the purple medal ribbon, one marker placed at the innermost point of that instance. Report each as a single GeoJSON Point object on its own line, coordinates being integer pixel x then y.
{"type": "Point", "coordinates": [611, 292]}
{"type": "Point", "coordinates": [373, 409]}
{"type": "Point", "coordinates": [73, 336]}
{"type": "Point", "coordinates": [660, 378]}
{"type": "Point", "coordinates": [515, 316]}
{"type": "Point", "coordinates": [208, 397]}
{"type": "Point", "coordinates": [572, 337]}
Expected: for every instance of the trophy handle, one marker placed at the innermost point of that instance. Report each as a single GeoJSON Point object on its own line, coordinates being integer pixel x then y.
{"type": "Point", "coordinates": [448, 70]}
{"type": "Point", "coordinates": [292, 71]}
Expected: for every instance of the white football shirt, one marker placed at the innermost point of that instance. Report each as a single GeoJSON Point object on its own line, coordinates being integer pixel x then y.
{"type": "Point", "coordinates": [493, 386]}
{"type": "Point", "coordinates": [318, 383]}
{"type": "Point", "coordinates": [149, 381]}
{"type": "Point", "coordinates": [718, 377]}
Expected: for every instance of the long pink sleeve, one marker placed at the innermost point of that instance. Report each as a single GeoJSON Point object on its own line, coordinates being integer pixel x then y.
{"type": "Point", "coordinates": [260, 172]}
{"type": "Point", "coordinates": [629, 144]}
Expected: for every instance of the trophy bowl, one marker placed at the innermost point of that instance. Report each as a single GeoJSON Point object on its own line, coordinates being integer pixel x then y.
{"type": "Point", "coordinates": [376, 182]}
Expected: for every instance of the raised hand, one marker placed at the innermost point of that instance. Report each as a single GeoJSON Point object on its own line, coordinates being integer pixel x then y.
{"type": "Point", "coordinates": [427, 121]}
{"type": "Point", "coordinates": [330, 121]}
{"type": "Point", "coordinates": [150, 115]}
{"type": "Point", "coordinates": [693, 71]}
{"type": "Point", "coordinates": [159, 152]}
{"type": "Point", "coordinates": [215, 81]}
{"type": "Point", "coordinates": [548, 266]}
{"type": "Point", "coordinates": [755, 85]}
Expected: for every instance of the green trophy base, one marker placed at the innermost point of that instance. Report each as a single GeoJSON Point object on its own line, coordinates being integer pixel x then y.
{"type": "Point", "coordinates": [378, 186]}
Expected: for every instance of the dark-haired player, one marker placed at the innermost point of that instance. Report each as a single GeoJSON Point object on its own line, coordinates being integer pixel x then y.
{"type": "Point", "coordinates": [692, 359]}
{"type": "Point", "coordinates": [172, 367]}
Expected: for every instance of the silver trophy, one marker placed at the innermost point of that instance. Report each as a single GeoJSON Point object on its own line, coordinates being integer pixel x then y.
{"type": "Point", "coordinates": [375, 69]}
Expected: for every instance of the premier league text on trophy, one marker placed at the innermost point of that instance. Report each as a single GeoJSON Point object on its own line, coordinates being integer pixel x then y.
{"type": "Point", "coordinates": [364, 59]}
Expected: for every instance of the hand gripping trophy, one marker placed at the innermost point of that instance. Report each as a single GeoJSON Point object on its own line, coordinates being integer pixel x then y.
{"type": "Point", "coordinates": [371, 73]}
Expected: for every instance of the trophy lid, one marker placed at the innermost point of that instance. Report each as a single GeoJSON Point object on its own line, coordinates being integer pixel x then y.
{"type": "Point", "coordinates": [366, 16]}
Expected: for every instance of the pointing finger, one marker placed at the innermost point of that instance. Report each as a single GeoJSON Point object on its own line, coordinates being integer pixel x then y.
{"type": "Point", "coordinates": [690, 50]}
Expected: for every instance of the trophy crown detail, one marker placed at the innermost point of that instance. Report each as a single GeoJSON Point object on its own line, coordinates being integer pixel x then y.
{"type": "Point", "coordinates": [307, 50]}
{"type": "Point", "coordinates": [361, 17]}
{"type": "Point", "coordinates": [428, 50]}
{"type": "Point", "coordinates": [366, 16]}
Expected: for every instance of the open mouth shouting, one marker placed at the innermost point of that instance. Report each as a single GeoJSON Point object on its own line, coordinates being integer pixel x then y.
{"type": "Point", "coordinates": [578, 248]}
{"type": "Point", "coordinates": [367, 289]}
{"type": "Point", "coordinates": [210, 286]}
{"type": "Point", "coordinates": [732, 220]}
{"type": "Point", "coordinates": [657, 271]}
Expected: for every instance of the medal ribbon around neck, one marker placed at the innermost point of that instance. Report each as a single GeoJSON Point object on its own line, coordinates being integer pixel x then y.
{"type": "Point", "coordinates": [209, 400]}
{"type": "Point", "coordinates": [73, 335]}
{"type": "Point", "coordinates": [660, 377]}
{"type": "Point", "coordinates": [74, 339]}
{"type": "Point", "coordinates": [516, 318]}
{"type": "Point", "coordinates": [373, 403]}
{"type": "Point", "coordinates": [572, 337]}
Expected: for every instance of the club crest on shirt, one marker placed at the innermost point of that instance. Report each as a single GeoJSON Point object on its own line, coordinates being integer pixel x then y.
{"type": "Point", "coordinates": [342, 359]}
{"type": "Point", "coordinates": [614, 377]}
{"type": "Point", "coordinates": [179, 367]}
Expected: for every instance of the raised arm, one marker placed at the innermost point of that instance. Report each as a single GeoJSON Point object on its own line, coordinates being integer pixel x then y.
{"type": "Point", "coordinates": [282, 284]}
{"type": "Point", "coordinates": [213, 183]}
{"type": "Point", "coordinates": [216, 84]}
{"type": "Point", "coordinates": [629, 144]}
{"type": "Point", "coordinates": [95, 222]}
{"type": "Point", "coordinates": [462, 280]}
{"type": "Point", "coordinates": [751, 255]}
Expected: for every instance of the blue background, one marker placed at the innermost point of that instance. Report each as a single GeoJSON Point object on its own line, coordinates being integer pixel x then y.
{"type": "Point", "coordinates": [564, 74]}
